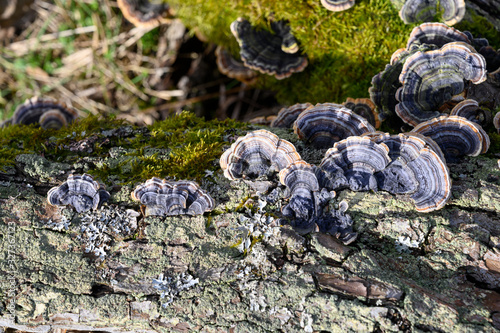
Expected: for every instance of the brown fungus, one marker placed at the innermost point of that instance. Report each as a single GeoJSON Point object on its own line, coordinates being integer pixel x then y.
{"type": "Point", "coordinates": [262, 50]}
{"type": "Point", "coordinates": [81, 192]}
{"type": "Point", "coordinates": [256, 154]}
{"type": "Point", "coordinates": [46, 111]}
{"type": "Point", "coordinates": [324, 124]}
{"type": "Point", "coordinates": [471, 110]}
{"type": "Point", "coordinates": [167, 198]}
{"type": "Point", "coordinates": [145, 13]}
{"type": "Point", "coordinates": [431, 78]}
{"type": "Point", "coordinates": [365, 108]}
{"type": "Point", "coordinates": [232, 68]}
{"type": "Point", "coordinates": [287, 116]}
{"type": "Point", "coordinates": [496, 122]}
{"type": "Point", "coordinates": [456, 136]}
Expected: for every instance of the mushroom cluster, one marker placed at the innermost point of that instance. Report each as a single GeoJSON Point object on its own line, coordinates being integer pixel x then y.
{"type": "Point", "coordinates": [45, 111]}
{"type": "Point", "coordinates": [269, 53]}
{"type": "Point", "coordinates": [438, 69]}
{"type": "Point", "coordinates": [167, 198]}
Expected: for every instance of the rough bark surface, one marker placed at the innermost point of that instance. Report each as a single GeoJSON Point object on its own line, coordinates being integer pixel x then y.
{"type": "Point", "coordinates": [407, 271]}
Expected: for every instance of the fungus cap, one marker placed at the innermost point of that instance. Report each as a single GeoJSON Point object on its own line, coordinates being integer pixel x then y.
{"type": "Point", "coordinates": [324, 124]}
{"type": "Point", "coordinates": [81, 192]}
{"type": "Point", "coordinates": [261, 50]}
{"type": "Point", "coordinates": [471, 110]}
{"type": "Point", "coordinates": [453, 11]}
{"type": "Point", "coordinates": [145, 13]}
{"type": "Point", "coordinates": [232, 68]}
{"type": "Point", "coordinates": [287, 116]}
{"type": "Point", "coordinates": [337, 5]}
{"type": "Point", "coordinates": [365, 108]}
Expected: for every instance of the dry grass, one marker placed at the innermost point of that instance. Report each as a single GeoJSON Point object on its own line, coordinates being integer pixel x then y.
{"type": "Point", "coordinates": [85, 54]}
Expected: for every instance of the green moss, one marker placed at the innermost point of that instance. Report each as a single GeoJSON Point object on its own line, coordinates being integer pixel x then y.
{"type": "Point", "coordinates": [345, 49]}
{"type": "Point", "coordinates": [181, 147]}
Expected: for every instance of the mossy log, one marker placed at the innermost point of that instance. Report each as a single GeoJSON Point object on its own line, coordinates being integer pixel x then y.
{"type": "Point", "coordinates": [407, 271]}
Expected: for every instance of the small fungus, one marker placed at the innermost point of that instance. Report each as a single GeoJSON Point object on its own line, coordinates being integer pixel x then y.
{"type": "Point", "coordinates": [232, 68]}
{"type": "Point", "coordinates": [365, 108]}
{"type": "Point", "coordinates": [456, 136]}
{"type": "Point", "coordinates": [431, 78]}
{"type": "Point", "coordinates": [167, 198]}
{"type": "Point", "coordinates": [337, 5]}
{"type": "Point", "coordinates": [257, 153]}
{"type": "Point", "coordinates": [471, 110]}
{"type": "Point", "coordinates": [496, 122]}
{"type": "Point", "coordinates": [262, 50]}
{"type": "Point", "coordinates": [352, 163]}
{"type": "Point", "coordinates": [46, 111]}
{"type": "Point", "coordinates": [324, 124]}
{"type": "Point", "coordinates": [81, 192]}
{"type": "Point", "coordinates": [287, 116]}
{"type": "Point", "coordinates": [145, 13]}
{"type": "Point", "coordinates": [453, 11]}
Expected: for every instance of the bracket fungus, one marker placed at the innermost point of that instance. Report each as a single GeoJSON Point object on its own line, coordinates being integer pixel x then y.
{"type": "Point", "coordinates": [307, 202]}
{"type": "Point", "coordinates": [257, 153]}
{"type": "Point", "coordinates": [287, 116]}
{"type": "Point", "coordinates": [324, 124]}
{"type": "Point", "coordinates": [456, 136]}
{"type": "Point", "coordinates": [337, 5]}
{"type": "Point", "coordinates": [365, 108]}
{"type": "Point", "coordinates": [431, 78]}
{"type": "Point", "coordinates": [168, 198]}
{"type": "Point", "coordinates": [47, 112]}
{"type": "Point", "coordinates": [471, 110]}
{"type": "Point", "coordinates": [232, 68]}
{"type": "Point", "coordinates": [352, 163]}
{"type": "Point", "coordinates": [452, 11]}
{"type": "Point", "coordinates": [437, 34]}
{"type": "Point", "coordinates": [145, 13]}
{"type": "Point", "coordinates": [263, 51]}
{"type": "Point", "coordinates": [81, 192]}
{"type": "Point", "coordinates": [496, 121]}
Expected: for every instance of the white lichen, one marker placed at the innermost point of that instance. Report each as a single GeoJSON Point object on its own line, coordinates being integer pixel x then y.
{"type": "Point", "coordinates": [171, 286]}
{"type": "Point", "coordinates": [405, 243]}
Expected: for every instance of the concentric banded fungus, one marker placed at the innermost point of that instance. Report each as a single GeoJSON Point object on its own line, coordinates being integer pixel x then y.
{"type": "Point", "coordinates": [386, 83]}
{"type": "Point", "coordinates": [257, 153]}
{"type": "Point", "coordinates": [352, 163]}
{"type": "Point", "coordinates": [431, 78]}
{"type": "Point", "coordinates": [262, 51]}
{"type": "Point", "coordinates": [234, 69]}
{"type": "Point", "coordinates": [437, 34]}
{"type": "Point", "coordinates": [324, 124]}
{"type": "Point", "coordinates": [496, 122]}
{"type": "Point", "coordinates": [453, 11]}
{"type": "Point", "coordinates": [287, 116]}
{"type": "Point", "coordinates": [365, 108]}
{"type": "Point", "coordinates": [167, 198]}
{"type": "Point", "coordinates": [301, 183]}
{"type": "Point", "coordinates": [145, 13]}
{"type": "Point", "coordinates": [81, 192]}
{"type": "Point", "coordinates": [434, 183]}
{"type": "Point", "coordinates": [456, 136]}
{"type": "Point", "coordinates": [46, 111]}
{"type": "Point", "coordinates": [289, 43]}
{"type": "Point", "coordinates": [470, 110]}
{"type": "Point", "coordinates": [337, 5]}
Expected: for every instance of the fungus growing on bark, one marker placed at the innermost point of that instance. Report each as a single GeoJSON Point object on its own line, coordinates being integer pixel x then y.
{"type": "Point", "coordinates": [145, 13]}
{"type": "Point", "coordinates": [257, 153]}
{"type": "Point", "coordinates": [81, 192]}
{"type": "Point", "coordinates": [47, 112]}
{"type": "Point", "coordinates": [456, 136]}
{"type": "Point", "coordinates": [365, 108]}
{"type": "Point", "coordinates": [167, 198]}
{"type": "Point", "coordinates": [287, 116]}
{"type": "Point", "coordinates": [324, 124]}
{"type": "Point", "coordinates": [431, 78]}
{"type": "Point", "coordinates": [352, 163]}
{"type": "Point", "coordinates": [471, 110]}
{"type": "Point", "coordinates": [263, 51]}
{"type": "Point", "coordinates": [232, 68]}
